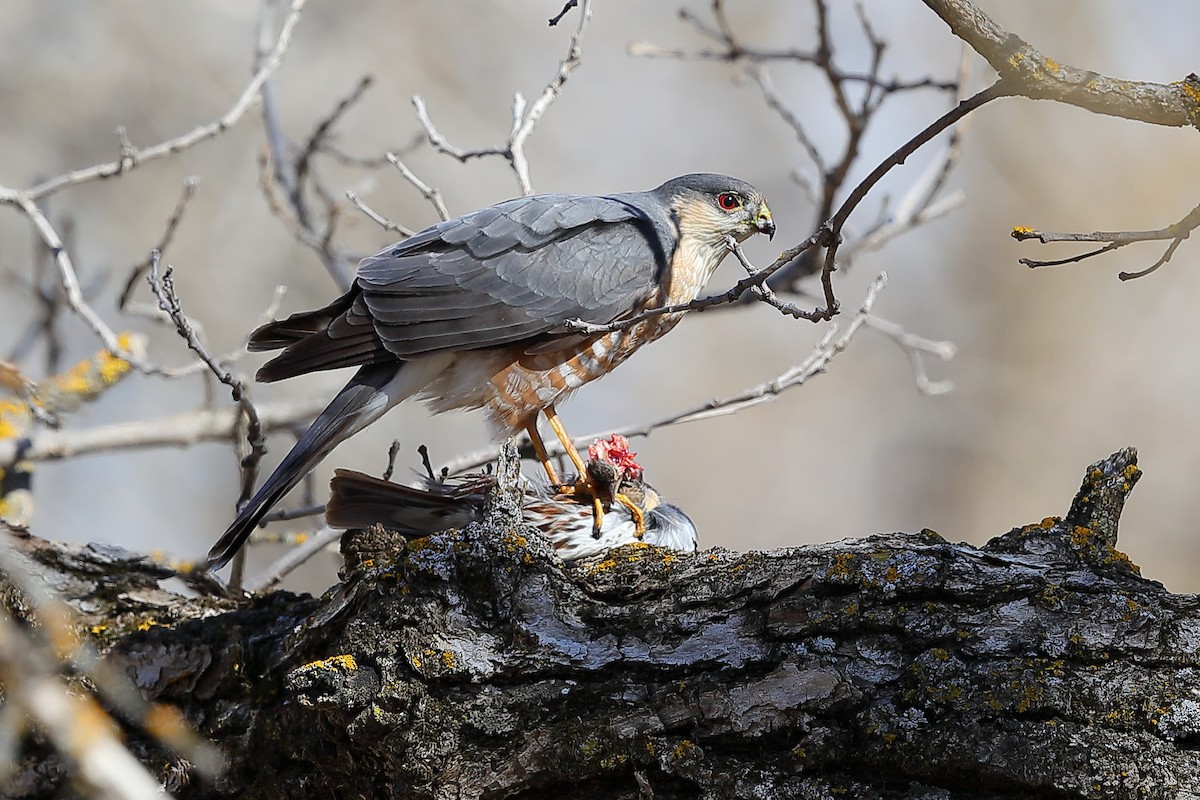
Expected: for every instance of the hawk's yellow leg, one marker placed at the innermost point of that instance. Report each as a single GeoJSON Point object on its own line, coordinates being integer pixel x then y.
{"type": "Point", "coordinates": [583, 484]}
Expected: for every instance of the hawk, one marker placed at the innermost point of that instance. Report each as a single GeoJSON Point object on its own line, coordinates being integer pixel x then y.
{"type": "Point", "coordinates": [473, 313]}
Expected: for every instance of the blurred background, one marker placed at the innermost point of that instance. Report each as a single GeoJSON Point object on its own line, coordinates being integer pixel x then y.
{"type": "Point", "coordinates": [1056, 368]}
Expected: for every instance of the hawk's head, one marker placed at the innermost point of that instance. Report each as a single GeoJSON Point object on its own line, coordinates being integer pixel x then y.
{"type": "Point", "coordinates": [711, 207]}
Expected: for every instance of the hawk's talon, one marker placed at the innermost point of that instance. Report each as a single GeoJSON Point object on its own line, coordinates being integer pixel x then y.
{"type": "Point", "coordinates": [597, 516]}
{"type": "Point", "coordinates": [635, 511]}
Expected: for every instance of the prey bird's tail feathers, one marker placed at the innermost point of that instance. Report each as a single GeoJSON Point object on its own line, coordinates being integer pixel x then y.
{"type": "Point", "coordinates": [357, 500]}
{"type": "Point", "coordinates": [369, 394]}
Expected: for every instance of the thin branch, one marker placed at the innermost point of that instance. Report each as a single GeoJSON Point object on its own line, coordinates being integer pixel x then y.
{"type": "Point", "coordinates": [1177, 233]}
{"type": "Point", "coordinates": [834, 226]}
{"type": "Point", "coordinates": [914, 348]}
{"type": "Point", "coordinates": [178, 430]}
{"type": "Point", "coordinates": [69, 279]}
{"type": "Point", "coordinates": [168, 301]}
{"type": "Point", "coordinates": [284, 514]}
{"type": "Point", "coordinates": [375, 216]}
{"type": "Point", "coordinates": [523, 122]}
{"type": "Point", "coordinates": [733, 50]}
{"type": "Point", "coordinates": [429, 193]}
{"type": "Point", "coordinates": [557, 18]}
{"type": "Point", "coordinates": [293, 559]}
{"type": "Point", "coordinates": [758, 278]}
{"type": "Point", "coordinates": [185, 197]}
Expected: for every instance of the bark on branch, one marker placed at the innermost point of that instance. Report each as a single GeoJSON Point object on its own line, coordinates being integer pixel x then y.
{"type": "Point", "coordinates": [474, 664]}
{"type": "Point", "coordinates": [1028, 72]}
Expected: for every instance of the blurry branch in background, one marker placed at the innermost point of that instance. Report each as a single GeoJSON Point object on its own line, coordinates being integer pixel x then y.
{"type": "Point", "coordinates": [817, 363]}
{"type": "Point", "coordinates": [1176, 233]}
{"type": "Point", "coordinates": [287, 178]}
{"type": "Point", "coordinates": [178, 430]}
{"type": "Point", "coordinates": [45, 288]}
{"type": "Point", "coordinates": [40, 650]}
{"type": "Point", "coordinates": [304, 547]}
{"type": "Point", "coordinates": [26, 200]}
{"type": "Point", "coordinates": [523, 121]}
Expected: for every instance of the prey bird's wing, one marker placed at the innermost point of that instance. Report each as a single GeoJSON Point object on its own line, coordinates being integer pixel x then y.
{"type": "Point", "coordinates": [513, 272]}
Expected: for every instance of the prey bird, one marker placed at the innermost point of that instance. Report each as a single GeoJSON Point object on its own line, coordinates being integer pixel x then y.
{"type": "Point", "coordinates": [357, 500]}
{"type": "Point", "coordinates": [473, 313]}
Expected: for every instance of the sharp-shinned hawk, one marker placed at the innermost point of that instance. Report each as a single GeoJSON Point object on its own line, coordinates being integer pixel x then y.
{"type": "Point", "coordinates": [473, 312]}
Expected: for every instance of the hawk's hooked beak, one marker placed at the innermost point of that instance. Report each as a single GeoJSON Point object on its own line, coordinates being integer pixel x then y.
{"type": "Point", "coordinates": [763, 221]}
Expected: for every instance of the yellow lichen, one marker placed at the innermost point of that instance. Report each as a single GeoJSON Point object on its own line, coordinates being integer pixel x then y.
{"type": "Point", "coordinates": [339, 663]}
{"type": "Point", "coordinates": [1021, 232]}
{"type": "Point", "coordinates": [843, 566]}
{"type": "Point", "coordinates": [684, 749]}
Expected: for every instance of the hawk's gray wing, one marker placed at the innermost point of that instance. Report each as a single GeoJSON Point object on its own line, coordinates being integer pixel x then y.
{"type": "Point", "coordinates": [510, 272]}
{"type": "Point", "coordinates": [514, 271]}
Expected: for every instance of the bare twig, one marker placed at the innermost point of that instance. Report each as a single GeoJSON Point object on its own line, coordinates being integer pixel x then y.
{"type": "Point", "coordinates": [283, 180]}
{"type": "Point", "coordinates": [283, 514]}
{"type": "Point", "coordinates": [523, 122]}
{"type": "Point", "coordinates": [1176, 233]}
{"type": "Point", "coordinates": [557, 18]}
{"type": "Point", "coordinates": [293, 559]}
{"type": "Point", "coordinates": [758, 278]}
{"type": "Point", "coordinates": [318, 138]}
{"type": "Point", "coordinates": [432, 195]}
{"type": "Point", "coordinates": [178, 430]}
{"type": "Point", "coordinates": [833, 227]}
{"type": "Point", "coordinates": [733, 50]}
{"type": "Point", "coordinates": [168, 301]}
{"type": "Point", "coordinates": [185, 197]}
{"type": "Point", "coordinates": [914, 347]}
{"type": "Point", "coordinates": [378, 218]}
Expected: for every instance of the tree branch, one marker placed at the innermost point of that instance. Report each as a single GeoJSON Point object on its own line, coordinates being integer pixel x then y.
{"type": "Point", "coordinates": [1031, 74]}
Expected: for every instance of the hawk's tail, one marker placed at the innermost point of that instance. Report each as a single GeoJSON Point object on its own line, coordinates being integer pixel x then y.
{"type": "Point", "coordinates": [371, 392]}
{"type": "Point", "coordinates": [280, 333]}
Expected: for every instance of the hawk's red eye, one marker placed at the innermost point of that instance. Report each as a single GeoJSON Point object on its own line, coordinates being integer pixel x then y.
{"type": "Point", "coordinates": [729, 201]}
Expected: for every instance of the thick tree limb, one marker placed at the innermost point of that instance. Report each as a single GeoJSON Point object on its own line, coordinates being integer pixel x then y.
{"type": "Point", "coordinates": [474, 664]}
{"type": "Point", "coordinates": [1040, 77]}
